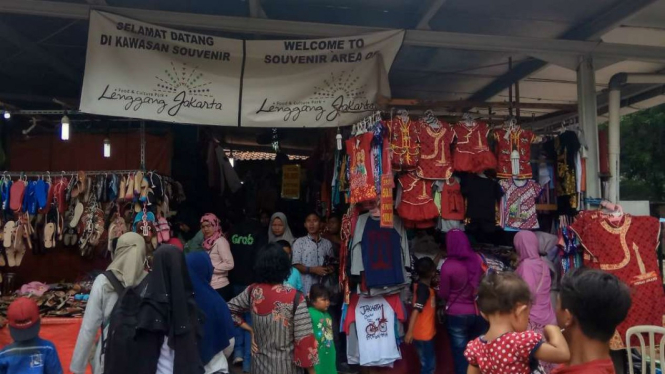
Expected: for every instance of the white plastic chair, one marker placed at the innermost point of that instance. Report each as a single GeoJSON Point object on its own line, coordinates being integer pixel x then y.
{"type": "Point", "coordinates": [639, 332]}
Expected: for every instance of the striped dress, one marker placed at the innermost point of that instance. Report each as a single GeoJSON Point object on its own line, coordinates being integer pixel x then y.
{"type": "Point", "coordinates": [285, 339]}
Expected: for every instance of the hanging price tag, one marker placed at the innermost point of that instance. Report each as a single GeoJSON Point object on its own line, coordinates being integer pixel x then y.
{"type": "Point", "coordinates": [387, 200]}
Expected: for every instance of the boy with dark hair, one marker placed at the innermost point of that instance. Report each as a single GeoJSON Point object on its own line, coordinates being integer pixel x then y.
{"type": "Point", "coordinates": [422, 327]}
{"type": "Point", "coordinates": [592, 303]}
{"type": "Point", "coordinates": [29, 354]}
{"type": "Point", "coordinates": [310, 252]}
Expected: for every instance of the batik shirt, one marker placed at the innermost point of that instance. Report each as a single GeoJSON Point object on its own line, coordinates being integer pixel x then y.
{"type": "Point", "coordinates": [519, 209]}
{"type": "Point", "coordinates": [311, 253]}
{"type": "Point", "coordinates": [284, 336]}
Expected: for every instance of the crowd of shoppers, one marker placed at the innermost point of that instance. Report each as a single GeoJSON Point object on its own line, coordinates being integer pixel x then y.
{"type": "Point", "coordinates": [259, 297]}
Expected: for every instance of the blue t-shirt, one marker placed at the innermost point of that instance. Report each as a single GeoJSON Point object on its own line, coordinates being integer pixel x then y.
{"type": "Point", "coordinates": [37, 356]}
{"type": "Point", "coordinates": [294, 279]}
{"type": "Point", "coordinates": [382, 255]}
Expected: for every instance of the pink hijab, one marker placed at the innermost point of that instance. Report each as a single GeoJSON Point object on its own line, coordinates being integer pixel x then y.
{"type": "Point", "coordinates": [536, 274]}
{"type": "Point", "coordinates": [460, 253]}
{"type": "Point", "coordinates": [212, 219]}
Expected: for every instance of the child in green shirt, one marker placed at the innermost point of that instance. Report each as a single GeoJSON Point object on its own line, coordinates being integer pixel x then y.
{"type": "Point", "coordinates": [319, 301]}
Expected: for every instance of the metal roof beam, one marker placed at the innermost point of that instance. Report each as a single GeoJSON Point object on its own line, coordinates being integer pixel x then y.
{"type": "Point", "coordinates": [256, 10]}
{"type": "Point", "coordinates": [96, 2]}
{"type": "Point", "coordinates": [591, 30]}
{"type": "Point", "coordinates": [12, 36]}
{"type": "Point", "coordinates": [429, 13]}
{"type": "Point", "coordinates": [420, 38]}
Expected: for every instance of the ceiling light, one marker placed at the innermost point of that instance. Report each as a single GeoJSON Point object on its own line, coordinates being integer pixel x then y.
{"type": "Point", "coordinates": [107, 148]}
{"type": "Point", "coordinates": [64, 130]}
{"type": "Point", "coordinates": [6, 114]}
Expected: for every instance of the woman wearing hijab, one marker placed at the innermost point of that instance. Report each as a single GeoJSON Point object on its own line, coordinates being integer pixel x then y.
{"type": "Point", "coordinates": [549, 251]}
{"type": "Point", "coordinates": [279, 229]}
{"type": "Point", "coordinates": [129, 267]}
{"type": "Point", "coordinates": [217, 325]}
{"type": "Point", "coordinates": [169, 330]}
{"type": "Point", "coordinates": [281, 326]}
{"type": "Point", "coordinates": [219, 250]}
{"type": "Point", "coordinates": [536, 274]}
{"type": "Point", "coordinates": [460, 277]}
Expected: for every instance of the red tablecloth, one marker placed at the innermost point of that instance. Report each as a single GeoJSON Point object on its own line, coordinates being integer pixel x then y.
{"type": "Point", "coordinates": [60, 331]}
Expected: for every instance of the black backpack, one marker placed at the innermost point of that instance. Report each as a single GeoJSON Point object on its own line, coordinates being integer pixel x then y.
{"type": "Point", "coordinates": [119, 348]}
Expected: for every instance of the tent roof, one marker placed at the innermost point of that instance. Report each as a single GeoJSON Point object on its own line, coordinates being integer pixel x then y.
{"type": "Point", "coordinates": [443, 74]}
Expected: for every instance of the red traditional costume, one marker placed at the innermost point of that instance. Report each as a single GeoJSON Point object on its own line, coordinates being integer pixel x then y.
{"type": "Point", "coordinates": [404, 143]}
{"type": "Point", "coordinates": [472, 152]}
{"type": "Point", "coordinates": [520, 141]}
{"type": "Point", "coordinates": [417, 203]}
{"type": "Point", "coordinates": [626, 249]}
{"type": "Point", "coordinates": [452, 202]}
{"type": "Point", "coordinates": [436, 161]}
{"type": "Point", "coordinates": [361, 171]}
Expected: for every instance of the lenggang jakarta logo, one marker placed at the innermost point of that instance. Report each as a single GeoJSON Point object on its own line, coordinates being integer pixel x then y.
{"type": "Point", "coordinates": [175, 89]}
{"type": "Point", "coordinates": [339, 94]}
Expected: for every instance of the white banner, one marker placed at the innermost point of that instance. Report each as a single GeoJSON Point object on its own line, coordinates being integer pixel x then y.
{"type": "Point", "coordinates": [316, 83]}
{"type": "Point", "coordinates": [136, 69]}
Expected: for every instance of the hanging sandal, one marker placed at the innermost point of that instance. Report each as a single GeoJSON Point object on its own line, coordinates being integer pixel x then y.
{"type": "Point", "coordinates": [129, 192]}
{"type": "Point", "coordinates": [49, 235]}
{"type": "Point", "coordinates": [9, 234]}
{"type": "Point", "coordinates": [78, 212]}
{"type": "Point", "coordinates": [16, 195]}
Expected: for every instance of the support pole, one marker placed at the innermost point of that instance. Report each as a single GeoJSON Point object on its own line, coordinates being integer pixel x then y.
{"type": "Point", "coordinates": [142, 145]}
{"type": "Point", "coordinates": [614, 143]}
{"type": "Point", "coordinates": [587, 109]}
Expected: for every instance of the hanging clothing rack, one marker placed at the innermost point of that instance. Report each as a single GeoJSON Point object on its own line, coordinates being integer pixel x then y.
{"type": "Point", "coordinates": [55, 174]}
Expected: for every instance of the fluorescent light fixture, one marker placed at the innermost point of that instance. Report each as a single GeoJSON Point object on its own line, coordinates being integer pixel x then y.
{"type": "Point", "coordinates": [107, 148]}
{"type": "Point", "coordinates": [64, 130]}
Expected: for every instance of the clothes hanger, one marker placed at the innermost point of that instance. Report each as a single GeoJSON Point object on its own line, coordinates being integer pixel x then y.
{"type": "Point", "coordinates": [468, 119]}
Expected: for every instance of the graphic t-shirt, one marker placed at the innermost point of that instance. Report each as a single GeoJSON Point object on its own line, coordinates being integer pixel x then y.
{"type": "Point", "coordinates": [382, 255]}
{"type": "Point", "coordinates": [519, 211]}
{"type": "Point", "coordinates": [246, 239]}
{"type": "Point", "coordinates": [511, 353]}
{"type": "Point", "coordinates": [37, 356]}
{"type": "Point", "coordinates": [627, 249]}
{"type": "Point", "coordinates": [375, 325]}
{"type": "Point", "coordinates": [323, 332]}
{"type": "Point", "coordinates": [424, 302]}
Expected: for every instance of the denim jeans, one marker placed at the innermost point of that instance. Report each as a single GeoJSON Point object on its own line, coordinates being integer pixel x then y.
{"type": "Point", "coordinates": [463, 329]}
{"type": "Point", "coordinates": [243, 344]}
{"type": "Point", "coordinates": [426, 354]}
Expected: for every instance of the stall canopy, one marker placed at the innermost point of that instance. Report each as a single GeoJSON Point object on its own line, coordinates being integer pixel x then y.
{"type": "Point", "coordinates": [457, 54]}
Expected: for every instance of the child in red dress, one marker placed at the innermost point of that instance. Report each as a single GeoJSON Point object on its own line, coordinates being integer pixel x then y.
{"type": "Point", "coordinates": [508, 348]}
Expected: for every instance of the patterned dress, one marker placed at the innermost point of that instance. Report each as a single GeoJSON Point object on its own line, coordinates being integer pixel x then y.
{"type": "Point", "coordinates": [284, 336]}
{"type": "Point", "coordinates": [472, 152]}
{"type": "Point", "coordinates": [436, 160]}
{"type": "Point", "coordinates": [404, 144]}
{"type": "Point", "coordinates": [626, 249]}
{"type": "Point", "coordinates": [361, 176]}
{"type": "Point", "coordinates": [323, 332]}
{"type": "Point", "coordinates": [520, 141]}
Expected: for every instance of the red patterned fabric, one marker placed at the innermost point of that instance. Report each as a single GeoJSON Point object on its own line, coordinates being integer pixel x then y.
{"type": "Point", "coordinates": [472, 152]}
{"type": "Point", "coordinates": [417, 203]}
{"type": "Point", "coordinates": [362, 174]}
{"type": "Point", "coordinates": [404, 143]}
{"type": "Point", "coordinates": [626, 249]}
{"type": "Point", "coordinates": [452, 202]}
{"type": "Point", "coordinates": [436, 160]}
{"type": "Point", "coordinates": [519, 211]}
{"type": "Point", "coordinates": [507, 141]}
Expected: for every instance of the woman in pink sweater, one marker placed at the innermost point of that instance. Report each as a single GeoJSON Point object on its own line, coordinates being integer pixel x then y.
{"type": "Point", "coordinates": [219, 250]}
